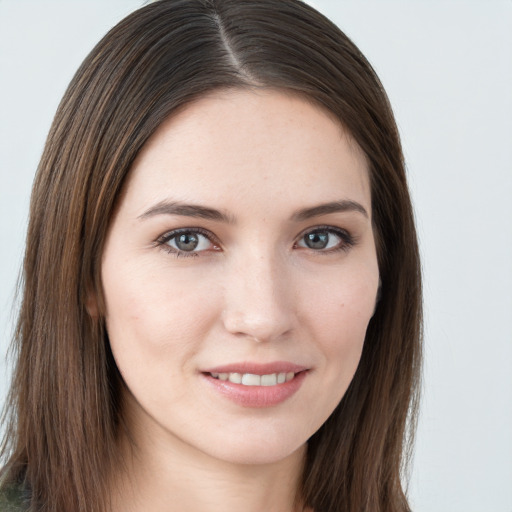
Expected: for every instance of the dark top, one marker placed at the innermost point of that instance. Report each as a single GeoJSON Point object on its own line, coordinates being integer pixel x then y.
{"type": "Point", "coordinates": [14, 498]}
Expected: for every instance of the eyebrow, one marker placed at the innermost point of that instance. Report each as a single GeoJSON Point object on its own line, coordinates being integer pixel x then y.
{"type": "Point", "coordinates": [203, 212]}
{"type": "Point", "coordinates": [326, 208]}
{"type": "Point", "coordinates": [187, 210]}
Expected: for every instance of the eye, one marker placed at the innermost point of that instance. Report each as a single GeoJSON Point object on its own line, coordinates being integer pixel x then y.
{"type": "Point", "coordinates": [326, 239]}
{"type": "Point", "coordinates": [187, 242]}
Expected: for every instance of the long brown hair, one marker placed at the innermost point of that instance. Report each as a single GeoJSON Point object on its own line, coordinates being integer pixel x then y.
{"type": "Point", "coordinates": [64, 400]}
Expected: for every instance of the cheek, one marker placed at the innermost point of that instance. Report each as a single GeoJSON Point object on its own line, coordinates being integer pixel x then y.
{"type": "Point", "coordinates": [344, 305]}
{"type": "Point", "coordinates": [338, 319]}
{"type": "Point", "coordinates": [149, 316]}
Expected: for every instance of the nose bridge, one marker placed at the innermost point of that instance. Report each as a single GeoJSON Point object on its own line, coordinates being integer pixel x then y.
{"type": "Point", "coordinates": [257, 300]}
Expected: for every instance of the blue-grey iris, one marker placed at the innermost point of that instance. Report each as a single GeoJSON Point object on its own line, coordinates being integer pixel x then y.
{"type": "Point", "coordinates": [187, 241]}
{"type": "Point", "coordinates": [317, 240]}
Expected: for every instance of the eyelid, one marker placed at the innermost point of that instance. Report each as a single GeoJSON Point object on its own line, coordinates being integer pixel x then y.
{"type": "Point", "coordinates": [347, 239]}
{"type": "Point", "coordinates": [162, 240]}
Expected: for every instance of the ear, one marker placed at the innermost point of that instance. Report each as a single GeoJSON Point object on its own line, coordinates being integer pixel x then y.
{"type": "Point", "coordinates": [91, 304]}
{"type": "Point", "coordinates": [378, 296]}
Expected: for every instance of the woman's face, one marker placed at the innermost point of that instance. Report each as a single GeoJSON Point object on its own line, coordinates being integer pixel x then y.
{"type": "Point", "coordinates": [240, 275]}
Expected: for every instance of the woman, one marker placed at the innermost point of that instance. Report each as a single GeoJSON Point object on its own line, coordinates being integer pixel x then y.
{"type": "Point", "coordinates": [222, 300]}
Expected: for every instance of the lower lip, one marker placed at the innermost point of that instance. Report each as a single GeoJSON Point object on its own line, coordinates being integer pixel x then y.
{"type": "Point", "coordinates": [256, 396]}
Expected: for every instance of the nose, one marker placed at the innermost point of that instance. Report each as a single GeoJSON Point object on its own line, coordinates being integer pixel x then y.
{"type": "Point", "coordinates": [258, 299]}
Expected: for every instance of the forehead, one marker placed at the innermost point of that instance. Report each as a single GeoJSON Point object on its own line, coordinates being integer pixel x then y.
{"type": "Point", "coordinates": [242, 146]}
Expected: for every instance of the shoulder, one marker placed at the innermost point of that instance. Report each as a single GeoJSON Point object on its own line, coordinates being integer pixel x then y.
{"type": "Point", "coordinates": [13, 498]}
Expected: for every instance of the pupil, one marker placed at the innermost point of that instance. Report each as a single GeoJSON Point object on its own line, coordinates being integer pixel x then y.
{"type": "Point", "coordinates": [317, 240]}
{"type": "Point", "coordinates": [187, 242]}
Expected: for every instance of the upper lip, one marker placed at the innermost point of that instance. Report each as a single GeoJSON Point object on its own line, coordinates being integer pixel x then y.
{"type": "Point", "coordinates": [257, 368]}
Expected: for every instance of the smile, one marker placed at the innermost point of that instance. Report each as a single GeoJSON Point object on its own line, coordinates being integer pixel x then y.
{"type": "Point", "coordinates": [250, 379]}
{"type": "Point", "coordinates": [253, 385]}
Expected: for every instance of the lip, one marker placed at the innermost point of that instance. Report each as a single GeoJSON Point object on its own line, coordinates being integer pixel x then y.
{"type": "Point", "coordinates": [257, 368]}
{"type": "Point", "coordinates": [256, 396]}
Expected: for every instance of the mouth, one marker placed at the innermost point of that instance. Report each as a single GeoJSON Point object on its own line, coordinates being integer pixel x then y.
{"type": "Point", "coordinates": [256, 385]}
{"type": "Point", "coordinates": [251, 379]}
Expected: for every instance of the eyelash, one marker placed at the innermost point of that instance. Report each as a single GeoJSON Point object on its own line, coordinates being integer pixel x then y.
{"type": "Point", "coordinates": [347, 241]}
{"type": "Point", "coordinates": [162, 241]}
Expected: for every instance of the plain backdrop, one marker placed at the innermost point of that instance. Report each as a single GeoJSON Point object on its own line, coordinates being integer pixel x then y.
{"type": "Point", "coordinates": [447, 67]}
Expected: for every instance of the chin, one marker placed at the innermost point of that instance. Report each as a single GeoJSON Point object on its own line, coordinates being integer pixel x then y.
{"type": "Point", "coordinates": [261, 453]}
{"type": "Point", "coordinates": [256, 448]}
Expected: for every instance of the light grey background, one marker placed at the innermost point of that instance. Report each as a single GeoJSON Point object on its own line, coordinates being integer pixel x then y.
{"type": "Point", "coordinates": [447, 67]}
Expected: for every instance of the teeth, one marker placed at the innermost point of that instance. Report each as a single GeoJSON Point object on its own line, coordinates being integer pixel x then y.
{"type": "Point", "coordinates": [236, 378]}
{"type": "Point", "coordinates": [269, 380]}
{"type": "Point", "coordinates": [249, 379]}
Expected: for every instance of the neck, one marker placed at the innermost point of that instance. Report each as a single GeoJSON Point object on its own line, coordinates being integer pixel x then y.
{"type": "Point", "coordinates": [173, 476]}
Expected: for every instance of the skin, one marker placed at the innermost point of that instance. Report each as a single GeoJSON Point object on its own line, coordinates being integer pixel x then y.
{"type": "Point", "coordinates": [251, 291]}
